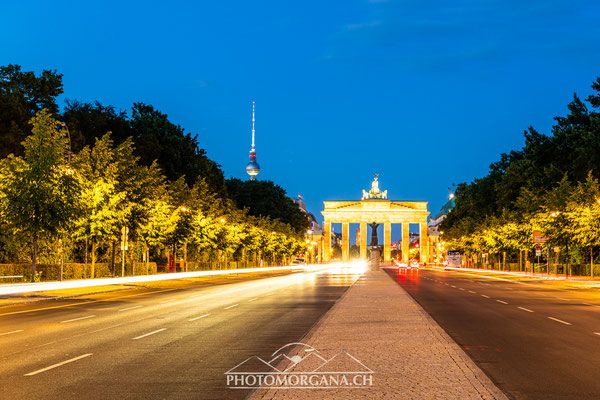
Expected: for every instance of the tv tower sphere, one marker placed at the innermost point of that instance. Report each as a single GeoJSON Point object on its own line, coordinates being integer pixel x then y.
{"type": "Point", "coordinates": [252, 168]}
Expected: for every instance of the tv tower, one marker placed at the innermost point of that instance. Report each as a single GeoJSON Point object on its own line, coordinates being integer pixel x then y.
{"type": "Point", "coordinates": [252, 168]}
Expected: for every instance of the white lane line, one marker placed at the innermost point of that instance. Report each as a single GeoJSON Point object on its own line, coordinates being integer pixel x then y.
{"type": "Point", "coordinates": [483, 295]}
{"type": "Point", "coordinates": [461, 288]}
{"type": "Point", "coordinates": [268, 294]}
{"type": "Point", "coordinates": [453, 286]}
{"type": "Point", "coordinates": [562, 298]}
{"type": "Point", "coordinates": [525, 309]}
{"type": "Point", "coordinates": [167, 301]}
{"type": "Point", "coordinates": [597, 333]}
{"type": "Point", "coordinates": [591, 305]}
{"type": "Point", "coordinates": [559, 320]}
{"type": "Point", "coordinates": [77, 319]}
{"type": "Point", "coordinates": [11, 332]}
{"type": "Point", "coordinates": [202, 316]}
{"type": "Point", "coordinates": [470, 291]}
{"type": "Point", "coordinates": [227, 308]}
{"type": "Point", "coordinates": [501, 301]}
{"type": "Point", "coordinates": [150, 333]}
{"type": "Point", "coordinates": [256, 298]}
{"type": "Point", "coordinates": [130, 308]}
{"type": "Point", "coordinates": [58, 365]}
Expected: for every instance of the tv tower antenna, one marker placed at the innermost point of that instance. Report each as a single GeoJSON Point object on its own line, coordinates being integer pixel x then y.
{"type": "Point", "coordinates": [252, 168]}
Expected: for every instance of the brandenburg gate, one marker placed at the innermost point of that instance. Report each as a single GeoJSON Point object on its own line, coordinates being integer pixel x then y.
{"type": "Point", "coordinates": [375, 207]}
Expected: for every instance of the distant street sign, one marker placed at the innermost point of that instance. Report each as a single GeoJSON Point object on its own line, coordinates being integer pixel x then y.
{"type": "Point", "coordinates": [539, 237]}
{"type": "Point", "coordinates": [538, 252]}
{"type": "Point", "coordinates": [538, 247]}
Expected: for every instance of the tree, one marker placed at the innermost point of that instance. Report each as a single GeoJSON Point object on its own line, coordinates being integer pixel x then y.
{"type": "Point", "coordinates": [22, 96]}
{"type": "Point", "coordinates": [177, 152]}
{"type": "Point", "coordinates": [264, 198]}
{"type": "Point", "coordinates": [42, 196]}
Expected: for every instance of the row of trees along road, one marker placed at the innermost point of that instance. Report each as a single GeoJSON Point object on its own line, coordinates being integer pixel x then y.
{"type": "Point", "coordinates": [147, 175]}
{"type": "Point", "coordinates": [550, 185]}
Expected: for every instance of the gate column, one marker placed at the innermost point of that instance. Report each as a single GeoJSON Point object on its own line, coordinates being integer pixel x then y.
{"type": "Point", "coordinates": [387, 242]}
{"type": "Point", "coordinates": [345, 242]}
{"type": "Point", "coordinates": [363, 240]}
{"type": "Point", "coordinates": [326, 241]}
{"type": "Point", "coordinates": [405, 242]}
{"type": "Point", "coordinates": [424, 241]}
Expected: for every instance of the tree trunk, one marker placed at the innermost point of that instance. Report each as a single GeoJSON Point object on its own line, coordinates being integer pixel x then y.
{"type": "Point", "coordinates": [592, 262]}
{"type": "Point", "coordinates": [92, 269]}
{"type": "Point", "coordinates": [33, 255]}
{"type": "Point", "coordinates": [112, 258]}
{"type": "Point", "coordinates": [132, 258]}
{"type": "Point", "coordinates": [86, 259]}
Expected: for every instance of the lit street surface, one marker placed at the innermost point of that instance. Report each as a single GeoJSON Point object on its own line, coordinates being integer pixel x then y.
{"type": "Point", "coordinates": [535, 341]}
{"type": "Point", "coordinates": [157, 343]}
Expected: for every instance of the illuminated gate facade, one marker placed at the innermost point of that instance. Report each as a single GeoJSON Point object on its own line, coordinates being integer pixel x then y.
{"type": "Point", "coordinates": [375, 207]}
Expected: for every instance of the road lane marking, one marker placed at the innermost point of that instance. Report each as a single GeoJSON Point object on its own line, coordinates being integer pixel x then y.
{"type": "Point", "coordinates": [453, 286]}
{"type": "Point", "coordinates": [562, 298]}
{"type": "Point", "coordinates": [268, 294]}
{"type": "Point", "coordinates": [597, 333]}
{"type": "Point", "coordinates": [202, 316]}
{"type": "Point", "coordinates": [591, 305]}
{"type": "Point", "coordinates": [150, 333]}
{"type": "Point", "coordinates": [525, 309]}
{"type": "Point", "coordinates": [470, 291]}
{"type": "Point", "coordinates": [11, 332]}
{"type": "Point", "coordinates": [483, 295]}
{"type": "Point", "coordinates": [39, 371]}
{"type": "Point", "coordinates": [77, 319]}
{"type": "Point", "coordinates": [256, 298]}
{"type": "Point", "coordinates": [227, 308]}
{"type": "Point", "coordinates": [84, 302]}
{"type": "Point", "coordinates": [559, 320]}
{"type": "Point", "coordinates": [130, 308]}
{"type": "Point", "coordinates": [167, 301]}
{"type": "Point", "coordinates": [502, 301]}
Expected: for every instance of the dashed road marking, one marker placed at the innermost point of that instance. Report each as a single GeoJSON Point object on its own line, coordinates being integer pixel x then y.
{"type": "Point", "coordinates": [227, 308]}
{"type": "Point", "coordinates": [525, 309]}
{"type": "Point", "coordinates": [77, 319]}
{"type": "Point", "coordinates": [256, 298]}
{"type": "Point", "coordinates": [559, 320]}
{"type": "Point", "coordinates": [167, 301]}
{"type": "Point", "coordinates": [470, 291]}
{"type": "Point", "coordinates": [453, 286]}
{"type": "Point", "coordinates": [483, 295]}
{"type": "Point", "coordinates": [202, 316]}
{"type": "Point", "coordinates": [150, 333]}
{"type": "Point", "coordinates": [11, 332]}
{"type": "Point", "coordinates": [39, 371]}
{"type": "Point", "coordinates": [591, 305]}
{"type": "Point", "coordinates": [130, 308]}
{"type": "Point", "coordinates": [461, 288]}
{"type": "Point", "coordinates": [597, 333]}
{"type": "Point", "coordinates": [502, 301]}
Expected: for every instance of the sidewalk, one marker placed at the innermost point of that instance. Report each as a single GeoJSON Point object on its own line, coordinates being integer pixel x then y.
{"type": "Point", "coordinates": [378, 323]}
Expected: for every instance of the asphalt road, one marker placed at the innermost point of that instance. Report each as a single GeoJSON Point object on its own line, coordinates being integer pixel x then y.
{"type": "Point", "coordinates": [157, 343]}
{"type": "Point", "coordinates": [535, 341]}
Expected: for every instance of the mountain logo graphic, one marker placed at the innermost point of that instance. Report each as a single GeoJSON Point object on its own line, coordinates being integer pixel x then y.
{"type": "Point", "coordinates": [298, 365]}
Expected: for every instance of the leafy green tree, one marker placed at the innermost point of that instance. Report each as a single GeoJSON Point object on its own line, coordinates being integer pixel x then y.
{"type": "Point", "coordinates": [42, 195]}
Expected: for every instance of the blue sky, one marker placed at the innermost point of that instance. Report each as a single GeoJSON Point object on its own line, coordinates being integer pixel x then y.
{"type": "Point", "coordinates": [426, 94]}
